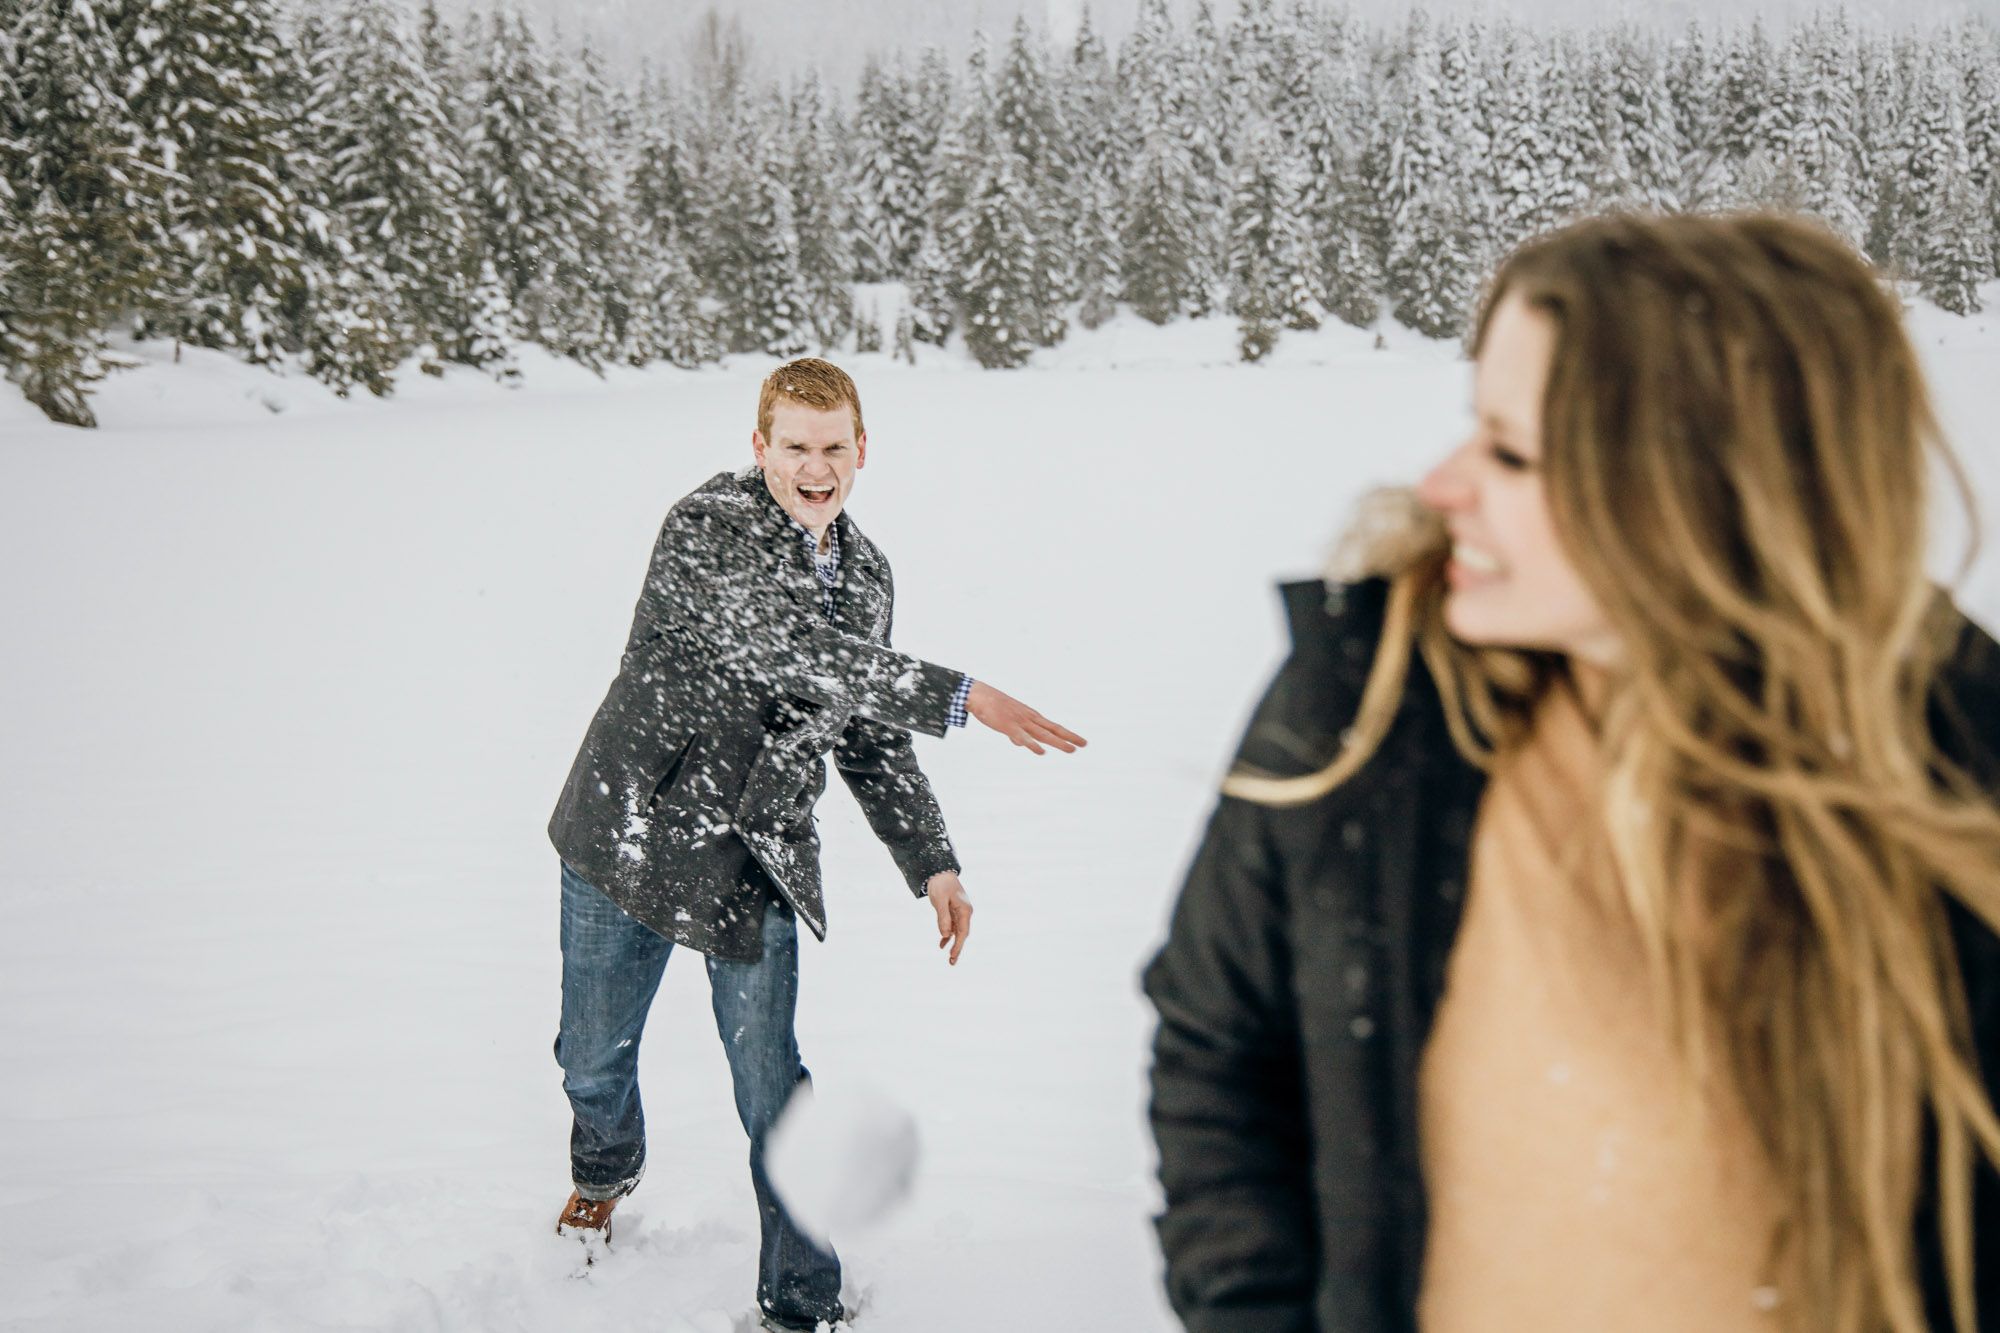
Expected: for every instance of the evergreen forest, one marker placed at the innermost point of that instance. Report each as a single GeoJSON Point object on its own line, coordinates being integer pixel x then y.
{"type": "Point", "coordinates": [357, 188]}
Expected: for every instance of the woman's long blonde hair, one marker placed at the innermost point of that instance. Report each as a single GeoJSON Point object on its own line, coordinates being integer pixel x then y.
{"type": "Point", "coordinates": [1736, 447]}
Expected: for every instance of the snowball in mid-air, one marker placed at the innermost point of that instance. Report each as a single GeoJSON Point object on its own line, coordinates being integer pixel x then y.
{"type": "Point", "coordinates": [841, 1158]}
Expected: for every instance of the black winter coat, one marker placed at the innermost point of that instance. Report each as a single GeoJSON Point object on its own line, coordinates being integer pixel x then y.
{"type": "Point", "coordinates": [697, 778]}
{"type": "Point", "coordinates": [1301, 974]}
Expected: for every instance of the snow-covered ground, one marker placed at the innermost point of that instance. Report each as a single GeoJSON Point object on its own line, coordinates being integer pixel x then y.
{"type": "Point", "coordinates": [287, 689]}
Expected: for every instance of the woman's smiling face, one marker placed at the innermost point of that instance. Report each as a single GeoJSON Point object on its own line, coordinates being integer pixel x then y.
{"type": "Point", "coordinates": [1512, 584]}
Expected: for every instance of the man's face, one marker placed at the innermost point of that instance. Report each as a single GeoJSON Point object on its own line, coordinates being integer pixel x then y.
{"type": "Point", "coordinates": [810, 460]}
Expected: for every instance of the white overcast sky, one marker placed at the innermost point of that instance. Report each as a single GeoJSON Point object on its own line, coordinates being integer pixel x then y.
{"type": "Point", "coordinates": [837, 34]}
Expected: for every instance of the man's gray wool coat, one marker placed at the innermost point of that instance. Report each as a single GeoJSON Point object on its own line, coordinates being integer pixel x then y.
{"type": "Point", "coordinates": [705, 759]}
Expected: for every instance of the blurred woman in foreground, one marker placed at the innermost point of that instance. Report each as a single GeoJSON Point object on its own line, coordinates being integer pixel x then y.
{"type": "Point", "coordinates": [1597, 930]}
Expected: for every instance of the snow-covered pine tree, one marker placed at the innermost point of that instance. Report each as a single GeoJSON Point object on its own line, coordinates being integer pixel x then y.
{"type": "Point", "coordinates": [868, 330]}
{"type": "Point", "coordinates": [1463, 250]}
{"type": "Point", "coordinates": [1419, 147]}
{"type": "Point", "coordinates": [1256, 322]}
{"type": "Point", "coordinates": [987, 264]}
{"type": "Point", "coordinates": [394, 178]}
{"type": "Point", "coordinates": [1352, 262]}
{"type": "Point", "coordinates": [354, 333]}
{"type": "Point", "coordinates": [1026, 118]}
{"type": "Point", "coordinates": [1888, 69]}
{"type": "Point", "coordinates": [1756, 109]}
{"type": "Point", "coordinates": [662, 202]}
{"type": "Point", "coordinates": [1431, 198]}
{"type": "Point", "coordinates": [350, 330]}
{"type": "Point", "coordinates": [932, 314]}
{"type": "Point", "coordinates": [752, 247]}
{"type": "Point", "coordinates": [490, 327]}
{"type": "Point", "coordinates": [678, 328]}
{"type": "Point", "coordinates": [1250, 61]}
{"type": "Point", "coordinates": [999, 278]}
{"type": "Point", "coordinates": [662, 188]}
{"type": "Point", "coordinates": [1978, 58]}
{"type": "Point", "coordinates": [1089, 98]}
{"type": "Point", "coordinates": [1025, 113]}
{"type": "Point", "coordinates": [1771, 177]}
{"type": "Point", "coordinates": [1824, 144]}
{"type": "Point", "coordinates": [1095, 249]}
{"type": "Point", "coordinates": [1743, 89]}
{"type": "Point", "coordinates": [1242, 100]}
{"type": "Point", "coordinates": [74, 255]}
{"type": "Point", "coordinates": [1639, 165]}
{"type": "Point", "coordinates": [1520, 147]}
{"type": "Point", "coordinates": [1200, 118]}
{"type": "Point", "coordinates": [1342, 203]}
{"type": "Point", "coordinates": [629, 263]}
{"type": "Point", "coordinates": [607, 135]}
{"type": "Point", "coordinates": [1462, 112]}
{"type": "Point", "coordinates": [524, 203]}
{"type": "Point", "coordinates": [1148, 64]}
{"type": "Point", "coordinates": [880, 216]}
{"type": "Point", "coordinates": [933, 272]}
{"type": "Point", "coordinates": [1173, 86]}
{"type": "Point", "coordinates": [321, 318]}
{"type": "Point", "coordinates": [1158, 238]}
{"type": "Point", "coordinates": [1436, 262]}
{"type": "Point", "coordinates": [202, 79]}
{"type": "Point", "coordinates": [594, 271]}
{"type": "Point", "coordinates": [1088, 94]}
{"type": "Point", "coordinates": [929, 99]}
{"type": "Point", "coordinates": [1299, 51]}
{"type": "Point", "coordinates": [1693, 83]}
{"type": "Point", "coordinates": [1273, 270]}
{"type": "Point", "coordinates": [437, 47]}
{"type": "Point", "coordinates": [1568, 137]}
{"type": "Point", "coordinates": [1946, 242]}
{"type": "Point", "coordinates": [820, 213]}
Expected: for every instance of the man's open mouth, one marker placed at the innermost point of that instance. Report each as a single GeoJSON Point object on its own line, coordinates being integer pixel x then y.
{"type": "Point", "coordinates": [814, 495]}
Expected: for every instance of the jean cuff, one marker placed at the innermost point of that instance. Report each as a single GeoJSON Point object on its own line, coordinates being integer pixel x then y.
{"type": "Point", "coordinates": [616, 1190]}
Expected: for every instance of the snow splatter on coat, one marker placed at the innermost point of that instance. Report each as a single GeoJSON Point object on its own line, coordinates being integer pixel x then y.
{"type": "Point", "coordinates": [697, 778]}
{"type": "Point", "coordinates": [1304, 968]}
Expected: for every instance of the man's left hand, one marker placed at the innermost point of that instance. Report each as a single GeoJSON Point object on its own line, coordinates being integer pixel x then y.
{"type": "Point", "coordinates": [954, 911]}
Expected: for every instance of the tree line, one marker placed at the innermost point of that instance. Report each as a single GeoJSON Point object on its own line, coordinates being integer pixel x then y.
{"type": "Point", "coordinates": [350, 187]}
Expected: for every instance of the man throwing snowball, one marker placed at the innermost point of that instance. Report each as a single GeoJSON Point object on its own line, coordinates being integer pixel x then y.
{"type": "Point", "coordinates": [760, 644]}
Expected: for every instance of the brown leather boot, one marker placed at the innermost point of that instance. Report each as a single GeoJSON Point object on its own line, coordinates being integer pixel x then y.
{"type": "Point", "coordinates": [586, 1219]}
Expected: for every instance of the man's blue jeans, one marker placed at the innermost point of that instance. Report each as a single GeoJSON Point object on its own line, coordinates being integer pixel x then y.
{"type": "Point", "coordinates": [611, 968]}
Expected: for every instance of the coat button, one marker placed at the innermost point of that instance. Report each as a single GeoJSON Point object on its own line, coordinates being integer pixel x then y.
{"type": "Point", "coordinates": [1357, 981]}
{"type": "Point", "coordinates": [1352, 834]}
{"type": "Point", "coordinates": [1363, 1027]}
{"type": "Point", "coordinates": [1449, 890]}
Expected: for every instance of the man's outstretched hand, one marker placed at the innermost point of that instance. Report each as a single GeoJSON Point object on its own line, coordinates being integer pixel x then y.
{"type": "Point", "coordinates": [1018, 723]}
{"type": "Point", "coordinates": [954, 911]}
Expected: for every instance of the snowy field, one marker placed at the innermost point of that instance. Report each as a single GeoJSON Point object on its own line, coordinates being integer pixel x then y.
{"type": "Point", "coordinates": [290, 685]}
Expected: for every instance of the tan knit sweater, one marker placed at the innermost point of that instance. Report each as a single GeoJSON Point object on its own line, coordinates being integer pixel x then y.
{"type": "Point", "coordinates": [1576, 1184]}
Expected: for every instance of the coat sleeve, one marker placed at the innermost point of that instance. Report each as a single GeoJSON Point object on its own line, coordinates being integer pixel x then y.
{"type": "Point", "coordinates": [708, 584]}
{"type": "Point", "coordinates": [879, 765]}
{"type": "Point", "coordinates": [1228, 1108]}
